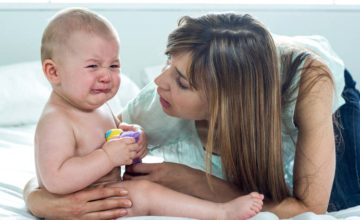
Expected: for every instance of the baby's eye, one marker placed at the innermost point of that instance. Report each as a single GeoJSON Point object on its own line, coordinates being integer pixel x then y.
{"type": "Point", "coordinates": [115, 66]}
{"type": "Point", "coordinates": [92, 66]}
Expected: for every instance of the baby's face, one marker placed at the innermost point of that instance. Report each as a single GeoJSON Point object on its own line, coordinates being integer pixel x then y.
{"type": "Point", "coordinates": [89, 70]}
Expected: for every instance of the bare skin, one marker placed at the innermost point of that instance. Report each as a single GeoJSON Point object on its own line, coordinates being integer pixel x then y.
{"type": "Point", "coordinates": [241, 208]}
{"type": "Point", "coordinates": [91, 204]}
{"type": "Point", "coordinates": [82, 82]}
{"type": "Point", "coordinates": [85, 204]}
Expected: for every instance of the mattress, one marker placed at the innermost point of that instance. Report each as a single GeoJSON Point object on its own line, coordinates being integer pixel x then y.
{"type": "Point", "coordinates": [17, 167]}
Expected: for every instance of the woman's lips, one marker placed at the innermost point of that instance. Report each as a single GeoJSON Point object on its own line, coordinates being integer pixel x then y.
{"type": "Point", "coordinates": [164, 103]}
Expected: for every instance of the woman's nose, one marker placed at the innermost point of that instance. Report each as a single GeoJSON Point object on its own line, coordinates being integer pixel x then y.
{"type": "Point", "coordinates": [162, 80]}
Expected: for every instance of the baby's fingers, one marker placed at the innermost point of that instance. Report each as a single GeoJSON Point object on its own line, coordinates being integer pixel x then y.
{"type": "Point", "coordinates": [142, 137]}
{"type": "Point", "coordinates": [128, 140]}
{"type": "Point", "coordinates": [142, 152]}
{"type": "Point", "coordinates": [128, 127]}
{"type": "Point", "coordinates": [127, 157]}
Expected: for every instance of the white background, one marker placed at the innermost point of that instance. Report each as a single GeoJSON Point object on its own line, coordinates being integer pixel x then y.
{"type": "Point", "coordinates": [143, 28]}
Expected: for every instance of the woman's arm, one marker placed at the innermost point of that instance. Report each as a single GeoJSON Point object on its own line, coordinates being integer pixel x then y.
{"type": "Point", "coordinates": [314, 166]}
{"type": "Point", "coordinates": [96, 203]}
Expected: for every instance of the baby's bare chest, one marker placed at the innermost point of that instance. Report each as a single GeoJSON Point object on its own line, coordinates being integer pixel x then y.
{"type": "Point", "coordinates": [90, 133]}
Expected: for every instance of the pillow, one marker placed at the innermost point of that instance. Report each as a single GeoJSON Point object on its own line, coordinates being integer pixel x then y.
{"type": "Point", "coordinates": [24, 91]}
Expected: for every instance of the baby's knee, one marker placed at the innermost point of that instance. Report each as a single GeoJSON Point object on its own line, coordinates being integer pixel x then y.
{"type": "Point", "coordinates": [139, 186]}
{"type": "Point", "coordinates": [141, 194]}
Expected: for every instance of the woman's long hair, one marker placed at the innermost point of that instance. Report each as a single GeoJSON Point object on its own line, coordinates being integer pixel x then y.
{"type": "Point", "coordinates": [234, 62]}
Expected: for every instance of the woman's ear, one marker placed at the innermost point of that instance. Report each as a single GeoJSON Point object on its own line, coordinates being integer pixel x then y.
{"type": "Point", "coordinates": [50, 71]}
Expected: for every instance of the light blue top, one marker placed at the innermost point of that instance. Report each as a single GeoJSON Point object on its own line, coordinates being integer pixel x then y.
{"type": "Point", "coordinates": [176, 140]}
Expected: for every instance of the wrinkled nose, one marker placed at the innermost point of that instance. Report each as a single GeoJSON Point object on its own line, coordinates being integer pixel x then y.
{"type": "Point", "coordinates": [105, 75]}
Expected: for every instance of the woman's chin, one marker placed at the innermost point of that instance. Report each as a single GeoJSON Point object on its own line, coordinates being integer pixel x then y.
{"type": "Point", "coordinates": [167, 111]}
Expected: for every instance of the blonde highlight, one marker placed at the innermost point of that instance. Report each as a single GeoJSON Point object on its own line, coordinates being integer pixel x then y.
{"type": "Point", "coordinates": [234, 63]}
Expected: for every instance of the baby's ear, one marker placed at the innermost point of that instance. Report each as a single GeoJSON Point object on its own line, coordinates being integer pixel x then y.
{"type": "Point", "coordinates": [50, 71]}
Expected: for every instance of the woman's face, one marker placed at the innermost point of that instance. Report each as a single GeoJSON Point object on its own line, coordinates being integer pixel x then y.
{"type": "Point", "coordinates": [177, 98]}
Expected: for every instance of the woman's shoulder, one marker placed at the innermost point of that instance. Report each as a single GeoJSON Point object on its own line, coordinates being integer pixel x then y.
{"type": "Point", "coordinates": [315, 44]}
{"type": "Point", "coordinates": [322, 54]}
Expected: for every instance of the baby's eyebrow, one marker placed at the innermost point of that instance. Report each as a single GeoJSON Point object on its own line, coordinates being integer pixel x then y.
{"type": "Point", "coordinates": [92, 60]}
{"type": "Point", "coordinates": [97, 60]}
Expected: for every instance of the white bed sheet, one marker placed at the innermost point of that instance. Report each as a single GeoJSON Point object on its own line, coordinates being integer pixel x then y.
{"type": "Point", "coordinates": [17, 167]}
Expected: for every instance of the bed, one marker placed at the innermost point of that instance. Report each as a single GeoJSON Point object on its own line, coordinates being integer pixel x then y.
{"type": "Point", "coordinates": [23, 92]}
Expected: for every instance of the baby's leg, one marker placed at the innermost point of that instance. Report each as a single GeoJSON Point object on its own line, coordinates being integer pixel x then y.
{"type": "Point", "coordinates": [153, 199]}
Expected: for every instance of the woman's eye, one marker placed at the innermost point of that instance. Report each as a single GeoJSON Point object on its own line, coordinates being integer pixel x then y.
{"type": "Point", "coordinates": [180, 84]}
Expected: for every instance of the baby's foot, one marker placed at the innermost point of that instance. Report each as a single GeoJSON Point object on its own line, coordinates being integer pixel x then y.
{"type": "Point", "coordinates": [243, 207]}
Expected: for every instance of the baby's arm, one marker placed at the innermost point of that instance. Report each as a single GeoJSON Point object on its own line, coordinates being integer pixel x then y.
{"type": "Point", "coordinates": [58, 167]}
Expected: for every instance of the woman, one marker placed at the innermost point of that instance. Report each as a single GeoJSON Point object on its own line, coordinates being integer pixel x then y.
{"type": "Point", "coordinates": [261, 107]}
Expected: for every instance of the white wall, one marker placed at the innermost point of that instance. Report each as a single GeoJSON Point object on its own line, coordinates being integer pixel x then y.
{"type": "Point", "coordinates": [143, 29]}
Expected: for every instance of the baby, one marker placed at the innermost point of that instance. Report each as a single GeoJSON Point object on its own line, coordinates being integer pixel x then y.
{"type": "Point", "coordinates": [80, 59]}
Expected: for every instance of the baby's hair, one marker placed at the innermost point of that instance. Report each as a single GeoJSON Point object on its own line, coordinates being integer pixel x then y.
{"type": "Point", "coordinates": [71, 20]}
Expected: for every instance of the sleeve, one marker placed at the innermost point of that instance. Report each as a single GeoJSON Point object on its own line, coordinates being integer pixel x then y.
{"type": "Point", "coordinates": [146, 111]}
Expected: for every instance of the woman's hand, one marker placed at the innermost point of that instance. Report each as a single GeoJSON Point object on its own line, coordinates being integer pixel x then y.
{"type": "Point", "coordinates": [183, 179]}
{"type": "Point", "coordinates": [97, 203]}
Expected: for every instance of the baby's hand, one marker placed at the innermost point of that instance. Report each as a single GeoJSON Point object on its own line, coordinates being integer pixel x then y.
{"type": "Point", "coordinates": [142, 140]}
{"type": "Point", "coordinates": [128, 127]}
{"type": "Point", "coordinates": [143, 145]}
{"type": "Point", "coordinates": [121, 151]}
{"type": "Point", "coordinates": [137, 135]}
